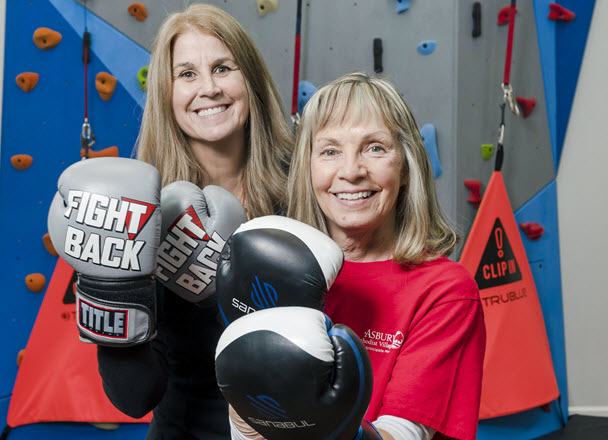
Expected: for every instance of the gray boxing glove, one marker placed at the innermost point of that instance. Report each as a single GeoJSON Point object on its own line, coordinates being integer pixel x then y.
{"type": "Point", "coordinates": [196, 224]}
{"type": "Point", "coordinates": [104, 221]}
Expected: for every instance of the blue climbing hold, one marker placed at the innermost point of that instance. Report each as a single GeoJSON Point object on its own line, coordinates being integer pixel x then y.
{"type": "Point", "coordinates": [426, 47]}
{"type": "Point", "coordinates": [429, 136]}
{"type": "Point", "coordinates": [305, 91]}
{"type": "Point", "coordinates": [402, 6]}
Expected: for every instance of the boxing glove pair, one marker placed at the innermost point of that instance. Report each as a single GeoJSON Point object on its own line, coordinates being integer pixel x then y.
{"type": "Point", "coordinates": [111, 223]}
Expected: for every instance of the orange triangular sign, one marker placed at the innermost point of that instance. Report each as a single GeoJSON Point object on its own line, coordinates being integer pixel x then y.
{"type": "Point", "coordinates": [58, 379]}
{"type": "Point", "coordinates": [518, 371]}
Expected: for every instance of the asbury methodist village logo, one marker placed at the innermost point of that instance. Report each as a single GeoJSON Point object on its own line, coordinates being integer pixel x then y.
{"type": "Point", "coordinates": [498, 265]}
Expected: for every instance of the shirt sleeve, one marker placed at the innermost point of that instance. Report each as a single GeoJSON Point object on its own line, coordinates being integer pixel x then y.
{"type": "Point", "coordinates": [436, 379]}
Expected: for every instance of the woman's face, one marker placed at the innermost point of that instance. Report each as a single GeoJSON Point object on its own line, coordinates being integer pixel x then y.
{"type": "Point", "coordinates": [356, 176]}
{"type": "Point", "coordinates": [209, 96]}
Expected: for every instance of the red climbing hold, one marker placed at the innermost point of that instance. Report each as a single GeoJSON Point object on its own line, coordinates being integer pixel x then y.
{"type": "Point", "coordinates": [559, 13]}
{"type": "Point", "coordinates": [532, 230]}
{"type": "Point", "coordinates": [526, 105]}
{"type": "Point", "coordinates": [504, 15]}
{"type": "Point", "coordinates": [474, 192]}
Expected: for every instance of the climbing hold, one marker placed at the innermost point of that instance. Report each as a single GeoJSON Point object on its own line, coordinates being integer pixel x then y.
{"type": "Point", "coordinates": [486, 151]}
{"type": "Point", "coordinates": [476, 19]}
{"type": "Point", "coordinates": [106, 152]}
{"type": "Point", "coordinates": [504, 15]}
{"type": "Point", "coordinates": [45, 38]}
{"type": "Point", "coordinates": [266, 6]}
{"type": "Point", "coordinates": [474, 192]}
{"type": "Point", "coordinates": [526, 104]}
{"type": "Point", "coordinates": [21, 161]}
{"type": "Point", "coordinates": [559, 13]}
{"type": "Point", "coordinates": [378, 55]}
{"type": "Point", "coordinates": [48, 245]}
{"type": "Point", "coordinates": [142, 78]}
{"type": "Point", "coordinates": [138, 11]}
{"type": "Point", "coordinates": [27, 81]}
{"type": "Point", "coordinates": [426, 47]}
{"type": "Point", "coordinates": [429, 137]}
{"type": "Point", "coordinates": [105, 84]}
{"type": "Point", "coordinates": [20, 356]}
{"type": "Point", "coordinates": [35, 282]}
{"type": "Point", "coordinates": [532, 230]}
{"type": "Point", "coordinates": [305, 91]}
{"type": "Point", "coordinates": [402, 6]}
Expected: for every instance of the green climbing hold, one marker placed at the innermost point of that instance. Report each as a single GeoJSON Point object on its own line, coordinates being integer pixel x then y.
{"type": "Point", "coordinates": [486, 151]}
{"type": "Point", "coordinates": [142, 78]}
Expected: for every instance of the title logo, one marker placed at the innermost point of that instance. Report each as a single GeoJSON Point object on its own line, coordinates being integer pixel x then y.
{"type": "Point", "coordinates": [103, 321]}
{"type": "Point", "coordinates": [381, 341]}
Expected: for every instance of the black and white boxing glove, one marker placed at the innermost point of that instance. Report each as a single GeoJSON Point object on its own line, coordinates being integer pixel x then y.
{"type": "Point", "coordinates": [275, 261]}
{"type": "Point", "coordinates": [196, 224]}
{"type": "Point", "coordinates": [292, 375]}
{"type": "Point", "coordinates": [104, 221]}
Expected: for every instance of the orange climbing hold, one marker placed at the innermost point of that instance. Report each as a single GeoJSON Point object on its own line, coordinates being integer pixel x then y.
{"type": "Point", "coordinates": [20, 356]}
{"type": "Point", "coordinates": [35, 282]}
{"type": "Point", "coordinates": [105, 84]}
{"type": "Point", "coordinates": [27, 81]}
{"type": "Point", "coordinates": [138, 11]}
{"type": "Point", "coordinates": [106, 152]}
{"type": "Point", "coordinates": [22, 161]}
{"type": "Point", "coordinates": [526, 104]}
{"type": "Point", "coordinates": [48, 245]}
{"type": "Point", "coordinates": [46, 38]}
{"type": "Point", "coordinates": [474, 192]}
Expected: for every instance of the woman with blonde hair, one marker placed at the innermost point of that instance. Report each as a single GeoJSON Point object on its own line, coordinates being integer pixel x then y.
{"type": "Point", "coordinates": [360, 173]}
{"type": "Point", "coordinates": [213, 116]}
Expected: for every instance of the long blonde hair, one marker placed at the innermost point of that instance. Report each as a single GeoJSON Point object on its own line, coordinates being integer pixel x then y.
{"type": "Point", "coordinates": [421, 229]}
{"type": "Point", "coordinates": [162, 143]}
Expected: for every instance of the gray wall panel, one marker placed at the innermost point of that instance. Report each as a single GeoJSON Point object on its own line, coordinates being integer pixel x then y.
{"type": "Point", "coordinates": [456, 88]}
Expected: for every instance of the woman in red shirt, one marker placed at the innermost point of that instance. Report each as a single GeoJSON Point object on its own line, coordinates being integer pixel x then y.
{"type": "Point", "coordinates": [419, 315]}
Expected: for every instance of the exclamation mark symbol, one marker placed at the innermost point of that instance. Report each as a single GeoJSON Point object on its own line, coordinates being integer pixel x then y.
{"type": "Point", "coordinates": [498, 237]}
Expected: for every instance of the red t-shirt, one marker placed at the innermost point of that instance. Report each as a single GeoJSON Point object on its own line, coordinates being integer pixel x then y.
{"type": "Point", "coordinates": [424, 331]}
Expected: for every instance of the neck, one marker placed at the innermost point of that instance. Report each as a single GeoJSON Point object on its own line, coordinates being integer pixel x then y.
{"type": "Point", "coordinates": [223, 164]}
{"type": "Point", "coordinates": [366, 245]}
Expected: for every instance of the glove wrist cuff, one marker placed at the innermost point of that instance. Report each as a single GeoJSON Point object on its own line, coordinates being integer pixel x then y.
{"type": "Point", "coordinates": [116, 313]}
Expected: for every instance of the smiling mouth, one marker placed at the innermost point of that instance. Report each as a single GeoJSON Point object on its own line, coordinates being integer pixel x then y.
{"type": "Point", "coordinates": [212, 111]}
{"type": "Point", "coordinates": [354, 196]}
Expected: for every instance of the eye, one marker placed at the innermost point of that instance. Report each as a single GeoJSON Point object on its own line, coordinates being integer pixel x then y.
{"type": "Point", "coordinates": [222, 69]}
{"type": "Point", "coordinates": [186, 74]}
{"type": "Point", "coordinates": [376, 148]}
{"type": "Point", "coordinates": [329, 152]}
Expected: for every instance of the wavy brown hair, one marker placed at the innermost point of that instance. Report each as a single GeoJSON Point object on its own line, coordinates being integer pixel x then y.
{"type": "Point", "coordinates": [162, 143]}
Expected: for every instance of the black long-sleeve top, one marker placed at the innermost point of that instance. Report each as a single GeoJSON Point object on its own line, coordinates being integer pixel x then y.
{"type": "Point", "coordinates": [173, 375]}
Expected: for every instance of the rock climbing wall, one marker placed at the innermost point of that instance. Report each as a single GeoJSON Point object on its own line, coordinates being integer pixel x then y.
{"type": "Point", "coordinates": [447, 57]}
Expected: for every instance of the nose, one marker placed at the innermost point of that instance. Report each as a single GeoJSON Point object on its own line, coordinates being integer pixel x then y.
{"type": "Point", "coordinates": [352, 168]}
{"type": "Point", "coordinates": [207, 86]}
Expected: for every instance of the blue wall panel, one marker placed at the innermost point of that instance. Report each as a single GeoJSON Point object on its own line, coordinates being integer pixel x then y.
{"type": "Point", "coordinates": [46, 124]}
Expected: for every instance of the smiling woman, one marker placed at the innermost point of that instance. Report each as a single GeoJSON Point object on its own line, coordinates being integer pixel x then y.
{"type": "Point", "coordinates": [213, 116]}
{"type": "Point", "coordinates": [361, 174]}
